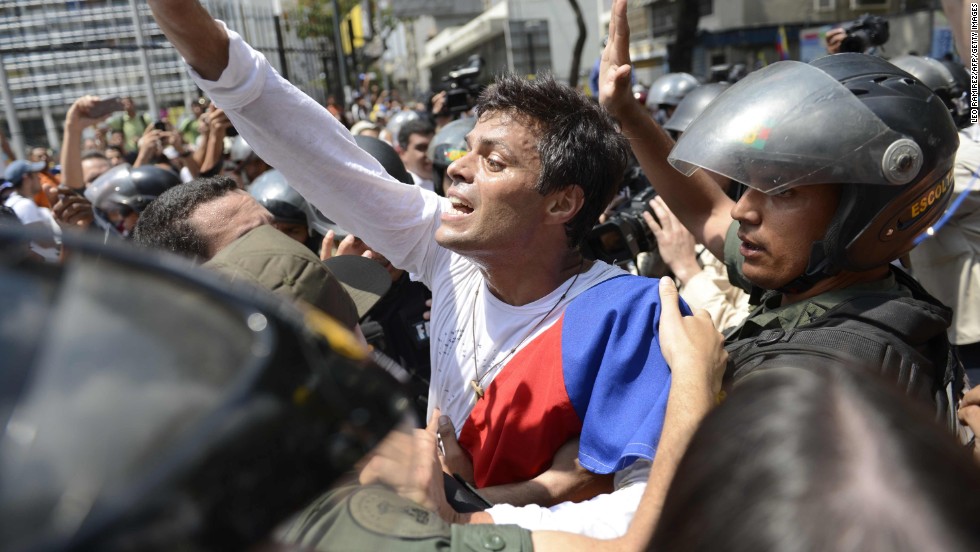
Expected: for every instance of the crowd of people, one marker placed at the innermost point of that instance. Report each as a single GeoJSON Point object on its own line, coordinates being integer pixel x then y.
{"type": "Point", "coordinates": [771, 369]}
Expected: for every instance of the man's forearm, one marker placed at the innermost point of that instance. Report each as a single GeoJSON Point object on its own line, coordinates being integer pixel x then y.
{"type": "Point", "coordinates": [71, 155]}
{"type": "Point", "coordinates": [550, 488]}
{"type": "Point", "coordinates": [194, 33]}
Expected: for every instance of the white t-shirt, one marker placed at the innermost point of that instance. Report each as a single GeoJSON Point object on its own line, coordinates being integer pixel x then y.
{"type": "Point", "coordinates": [29, 212]}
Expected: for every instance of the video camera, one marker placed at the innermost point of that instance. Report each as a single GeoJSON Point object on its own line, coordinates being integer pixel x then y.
{"type": "Point", "coordinates": [863, 33]}
{"type": "Point", "coordinates": [625, 234]}
{"type": "Point", "coordinates": [460, 84]}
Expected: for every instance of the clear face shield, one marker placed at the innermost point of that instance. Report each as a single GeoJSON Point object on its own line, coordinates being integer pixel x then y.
{"type": "Point", "coordinates": [135, 387]}
{"type": "Point", "coordinates": [790, 124]}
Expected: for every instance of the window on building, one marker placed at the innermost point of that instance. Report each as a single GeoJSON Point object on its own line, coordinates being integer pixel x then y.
{"type": "Point", "coordinates": [707, 7]}
{"type": "Point", "coordinates": [662, 19]}
{"type": "Point", "coordinates": [823, 5]}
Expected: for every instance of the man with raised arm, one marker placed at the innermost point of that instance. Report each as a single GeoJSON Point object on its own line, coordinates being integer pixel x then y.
{"type": "Point", "coordinates": [538, 355]}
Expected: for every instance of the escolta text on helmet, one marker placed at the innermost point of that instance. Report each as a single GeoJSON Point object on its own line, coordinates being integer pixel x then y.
{"type": "Point", "coordinates": [275, 194]}
{"type": "Point", "coordinates": [849, 119]}
{"type": "Point", "coordinates": [670, 89]}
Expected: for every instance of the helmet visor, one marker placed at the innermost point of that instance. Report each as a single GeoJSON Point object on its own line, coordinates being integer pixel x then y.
{"type": "Point", "coordinates": [787, 125]}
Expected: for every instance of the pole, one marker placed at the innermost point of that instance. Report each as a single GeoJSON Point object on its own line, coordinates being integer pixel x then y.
{"type": "Point", "coordinates": [151, 97]}
{"type": "Point", "coordinates": [284, 66]}
{"type": "Point", "coordinates": [16, 132]}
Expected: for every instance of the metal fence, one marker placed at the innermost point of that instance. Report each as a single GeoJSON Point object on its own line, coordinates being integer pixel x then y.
{"type": "Point", "coordinates": [53, 52]}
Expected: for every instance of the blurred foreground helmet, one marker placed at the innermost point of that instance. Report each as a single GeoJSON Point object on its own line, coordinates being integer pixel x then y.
{"type": "Point", "coordinates": [149, 405]}
{"type": "Point", "coordinates": [448, 145]}
{"type": "Point", "coordinates": [275, 194]}
{"type": "Point", "coordinates": [939, 77]}
{"type": "Point", "coordinates": [123, 191]}
{"type": "Point", "coordinates": [693, 104]}
{"type": "Point", "coordinates": [670, 89]}
{"type": "Point", "coordinates": [850, 119]}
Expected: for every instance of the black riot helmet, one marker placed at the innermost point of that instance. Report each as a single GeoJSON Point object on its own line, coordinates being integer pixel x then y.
{"type": "Point", "coordinates": [940, 79]}
{"type": "Point", "coordinates": [387, 156]}
{"type": "Point", "coordinates": [850, 119]}
{"type": "Point", "coordinates": [275, 194]}
{"type": "Point", "coordinates": [693, 104]}
{"type": "Point", "coordinates": [125, 189]}
{"type": "Point", "coordinates": [150, 405]}
{"type": "Point", "coordinates": [391, 163]}
{"type": "Point", "coordinates": [948, 79]}
{"type": "Point", "coordinates": [448, 145]}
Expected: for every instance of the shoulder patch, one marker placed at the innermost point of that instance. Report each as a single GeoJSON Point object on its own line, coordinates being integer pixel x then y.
{"type": "Point", "coordinates": [381, 511]}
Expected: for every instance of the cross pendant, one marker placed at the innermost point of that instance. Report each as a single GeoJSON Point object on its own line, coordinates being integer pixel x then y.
{"type": "Point", "coordinates": [477, 388]}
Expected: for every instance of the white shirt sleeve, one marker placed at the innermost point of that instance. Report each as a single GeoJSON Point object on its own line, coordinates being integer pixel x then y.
{"type": "Point", "coordinates": [606, 516]}
{"type": "Point", "coordinates": [320, 159]}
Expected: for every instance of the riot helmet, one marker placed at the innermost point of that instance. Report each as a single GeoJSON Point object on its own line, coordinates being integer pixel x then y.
{"type": "Point", "coordinates": [693, 104]}
{"type": "Point", "coordinates": [386, 155]}
{"type": "Point", "coordinates": [670, 89]}
{"type": "Point", "coordinates": [123, 192]}
{"type": "Point", "coordinates": [397, 120]}
{"type": "Point", "coordinates": [938, 77]}
{"type": "Point", "coordinates": [849, 119]}
{"type": "Point", "coordinates": [275, 194]}
{"type": "Point", "coordinates": [448, 145]}
{"type": "Point", "coordinates": [151, 405]}
{"type": "Point", "coordinates": [241, 152]}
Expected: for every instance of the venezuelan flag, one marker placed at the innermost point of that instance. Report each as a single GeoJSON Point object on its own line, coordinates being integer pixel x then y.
{"type": "Point", "coordinates": [782, 44]}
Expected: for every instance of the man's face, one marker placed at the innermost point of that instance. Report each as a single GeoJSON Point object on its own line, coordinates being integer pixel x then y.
{"type": "Point", "coordinates": [298, 232]}
{"type": "Point", "coordinates": [413, 155]}
{"type": "Point", "coordinates": [227, 218]}
{"type": "Point", "coordinates": [777, 231]}
{"type": "Point", "coordinates": [495, 203]}
{"type": "Point", "coordinates": [115, 157]}
{"type": "Point", "coordinates": [39, 154]}
{"type": "Point", "coordinates": [93, 168]}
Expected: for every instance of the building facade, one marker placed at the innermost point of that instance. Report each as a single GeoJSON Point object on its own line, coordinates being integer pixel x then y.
{"type": "Point", "coordinates": [52, 52]}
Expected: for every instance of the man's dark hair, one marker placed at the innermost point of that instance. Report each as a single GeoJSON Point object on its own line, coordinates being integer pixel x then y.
{"type": "Point", "coordinates": [96, 154]}
{"type": "Point", "coordinates": [814, 454]}
{"type": "Point", "coordinates": [418, 126]}
{"type": "Point", "coordinates": [578, 144]}
{"type": "Point", "coordinates": [163, 224]}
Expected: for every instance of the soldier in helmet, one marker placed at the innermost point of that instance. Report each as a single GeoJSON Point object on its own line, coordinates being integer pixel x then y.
{"type": "Point", "coordinates": [667, 92]}
{"type": "Point", "coordinates": [448, 145]}
{"type": "Point", "coordinates": [846, 161]}
{"type": "Point", "coordinates": [121, 194]}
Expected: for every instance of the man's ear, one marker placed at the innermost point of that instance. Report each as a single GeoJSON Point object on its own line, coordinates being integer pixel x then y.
{"type": "Point", "coordinates": [564, 204]}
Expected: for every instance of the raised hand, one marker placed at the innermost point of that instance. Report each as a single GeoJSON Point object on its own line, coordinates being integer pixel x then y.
{"type": "Point", "coordinates": [615, 92]}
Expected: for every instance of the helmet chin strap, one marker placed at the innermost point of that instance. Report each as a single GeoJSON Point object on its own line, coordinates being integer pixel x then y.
{"type": "Point", "coordinates": [818, 268]}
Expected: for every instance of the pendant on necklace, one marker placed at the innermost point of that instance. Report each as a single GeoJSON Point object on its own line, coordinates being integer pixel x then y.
{"type": "Point", "coordinates": [477, 388]}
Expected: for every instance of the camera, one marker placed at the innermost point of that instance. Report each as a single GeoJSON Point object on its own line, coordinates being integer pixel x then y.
{"type": "Point", "coordinates": [863, 33]}
{"type": "Point", "coordinates": [461, 84]}
{"type": "Point", "coordinates": [625, 234]}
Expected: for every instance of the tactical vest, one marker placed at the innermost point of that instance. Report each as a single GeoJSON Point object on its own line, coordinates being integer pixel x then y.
{"type": "Point", "coordinates": [897, 334]}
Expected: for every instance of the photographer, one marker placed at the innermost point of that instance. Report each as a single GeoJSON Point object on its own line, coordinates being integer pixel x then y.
{"type": "Point", "coordinates": [163, 147]}
{"type": "Point", "coordinates": [862, 36]}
